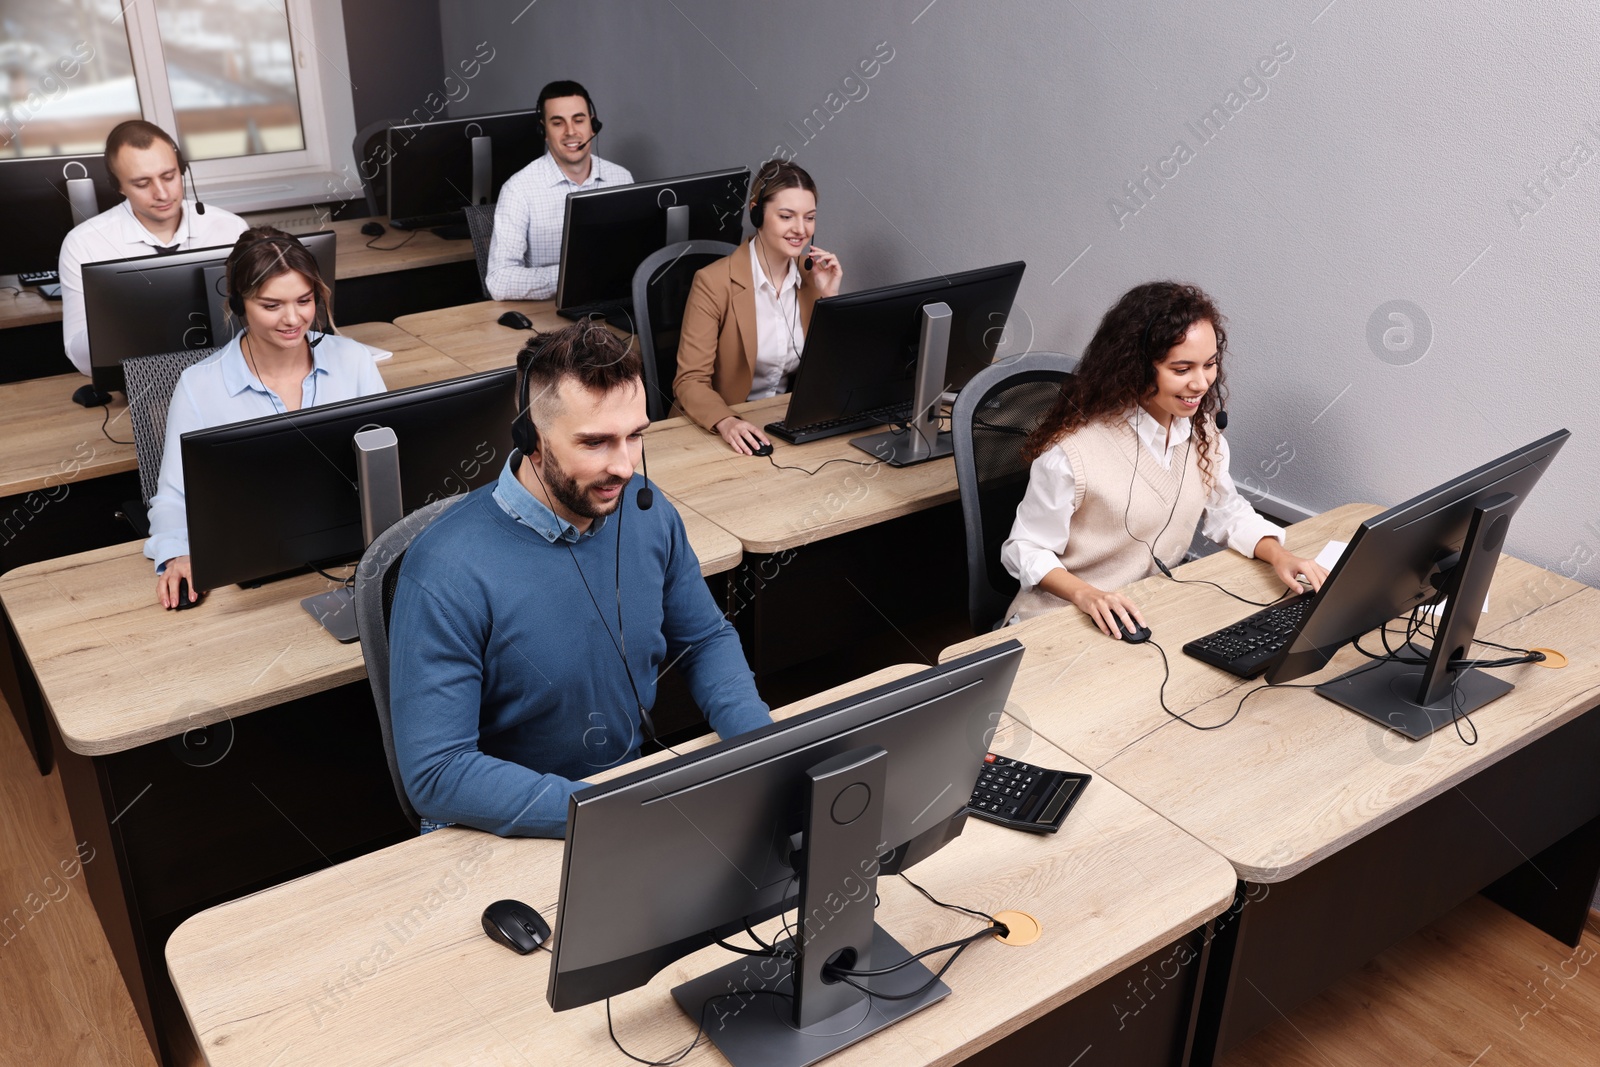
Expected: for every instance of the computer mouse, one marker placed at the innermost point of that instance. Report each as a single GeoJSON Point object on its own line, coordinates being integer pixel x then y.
{"type": "Point", "coordinates": [373, 229]}
{"type": "Point", "coordinates": [184, 603]}
{"type": "Point", "coordinates": [764, 449]}
{"type": "Point", "coordinates": [516, 320]}
{"type": "Point", "coordinates": [1135, 636]}
{"type": "Point", "coordinates": [90, 397]}
{"type": "Point", "coordinates": [515, 925]}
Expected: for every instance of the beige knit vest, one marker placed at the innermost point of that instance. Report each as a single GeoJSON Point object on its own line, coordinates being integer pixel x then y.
{"type": "Point", "coordinates": [1105, 458]}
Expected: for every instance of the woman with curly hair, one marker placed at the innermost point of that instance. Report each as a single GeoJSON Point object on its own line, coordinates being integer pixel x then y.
{"type": "Point", "coordinates": [1129, 462]}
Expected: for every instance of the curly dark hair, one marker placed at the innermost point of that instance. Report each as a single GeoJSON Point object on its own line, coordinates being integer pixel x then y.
{"type": "Point", "coordinates": [1118, 368]}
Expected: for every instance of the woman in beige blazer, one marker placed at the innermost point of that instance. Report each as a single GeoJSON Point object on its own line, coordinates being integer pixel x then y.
{"type": "Point", "coordinates": [745, 322]}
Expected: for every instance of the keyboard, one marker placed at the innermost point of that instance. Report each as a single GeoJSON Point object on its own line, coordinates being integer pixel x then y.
{"type": "Point", "coordinates": [1024, 797]}
{"type": "Point", "coordinates": [427, 222]}
{"type": "Point", "coordinates": [38, 277]}
{"type": "Point", "coordinates": [863, 420]}
{"type": "Point", "coordinates": [1246, 647]}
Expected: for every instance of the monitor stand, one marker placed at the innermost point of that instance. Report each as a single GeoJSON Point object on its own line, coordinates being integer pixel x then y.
{"type": "Point", "coordinates": [1416, 701]}
{"type": "Point", "coordinates": [767, 1012]}
{"type": "Point", "coordinates": [482, 170]}
{"type": "Point", "coordinates": [922, 439]}
{"type": "Point", "coordinates": [378, 475]}
{"type": "Point", "coordinates": [677, 224]}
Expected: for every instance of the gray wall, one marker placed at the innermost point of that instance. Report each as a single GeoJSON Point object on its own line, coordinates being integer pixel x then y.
{"type": "Point", "coordinates": [1378, 162]}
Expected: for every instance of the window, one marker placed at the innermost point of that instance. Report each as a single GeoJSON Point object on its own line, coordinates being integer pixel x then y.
{"type": "Point", "coordinates": [240, 83]}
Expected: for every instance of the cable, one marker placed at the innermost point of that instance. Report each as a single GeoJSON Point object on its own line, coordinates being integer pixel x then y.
{"type": "Point", "coordinates": [348, 583]}
{"type": "Point", "coordinates": [391, 248]}
{"type": "Point", "coordinates": [698, 1034]}
{"type": "Point", "coordinates": [105, 420]}
{"type": "Point", "coordinates": [824, 463]}
{"type": "Point", "coordinates": [955, 907]}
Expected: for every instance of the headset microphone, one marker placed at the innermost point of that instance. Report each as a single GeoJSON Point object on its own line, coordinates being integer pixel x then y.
{"type": "Point", "coordinates": [646, 497]}
{"type": "Point", "coordinates": [1222, 419]}
{"type": "Point", "coordinates": [199, 208]}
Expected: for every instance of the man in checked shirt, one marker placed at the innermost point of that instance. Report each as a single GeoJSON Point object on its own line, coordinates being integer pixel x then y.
{"type": "Point", "coordinates": [525, 251]}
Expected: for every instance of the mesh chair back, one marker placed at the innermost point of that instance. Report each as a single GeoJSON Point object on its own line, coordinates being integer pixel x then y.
{"type": "Point", "coordinates": [150, 383]}
{"type": "Point", "coordinates": [661, 287]}
{"type": "Point", "coordinates": [376, 578]}
{"type": "Point", "coordinates": [480, 223]}
{"type": "Point", "coordinates": [992, 417]}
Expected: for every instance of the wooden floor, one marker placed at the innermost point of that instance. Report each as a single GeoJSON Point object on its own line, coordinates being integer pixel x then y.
{"type": "Point", "coordinates": [1478, 988]}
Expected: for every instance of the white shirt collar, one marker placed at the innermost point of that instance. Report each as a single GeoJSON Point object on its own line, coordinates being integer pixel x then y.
{"type": "Point", "coordinates": [134, 232]}
{"type": "Point", "coordinates": [1154, 435]}
{"type": "Point", "coordinates": [791, 280]}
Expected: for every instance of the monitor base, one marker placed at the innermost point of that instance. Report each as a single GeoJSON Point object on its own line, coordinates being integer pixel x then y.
{"type": "Point", "coordinates": [1387, 695]}
{"type": "Point", "coordinates": [757, 1030]}
{"type": "Point", "coordinates": [903, 448]}
{"type": "Point", "coordinates": [336, 611]}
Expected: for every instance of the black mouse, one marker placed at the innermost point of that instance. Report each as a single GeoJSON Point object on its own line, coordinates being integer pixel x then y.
{"type": "Point", "coordinates": [373, 229]}
{"type": "Point", "coordinates": [1135, 636]}
{"type": "Point", "coordinates": [516, 320]}
{"type": "Point", "coordinates": [90, 397]}
{"type": "Point", "coordinates": [184, 603]}
{"type": "Point", "coordinates": [515, 925]}
{"type": "Point", "coordinates": [763, 449]}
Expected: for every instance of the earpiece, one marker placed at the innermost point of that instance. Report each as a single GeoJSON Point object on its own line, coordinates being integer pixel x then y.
{"type": "Point", "coordinates": [524, 434]}
{"type": "Point", "coordinates": [757, 212]}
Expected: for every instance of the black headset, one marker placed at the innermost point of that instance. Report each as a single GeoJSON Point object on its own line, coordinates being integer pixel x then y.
{"type": "Point", "coordinates": [322, 319]}
{"type": "Point", "coordinates": [594, 120]}
{"type": "Point", "coordinates": [525, 435]}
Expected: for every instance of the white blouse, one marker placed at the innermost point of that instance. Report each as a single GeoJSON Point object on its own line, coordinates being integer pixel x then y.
{"type": "Point", "coordinates": [779, 333]}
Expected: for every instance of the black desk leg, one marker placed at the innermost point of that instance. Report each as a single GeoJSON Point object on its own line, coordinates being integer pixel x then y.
{"type": "Point", "coordinates": [1555, 889]}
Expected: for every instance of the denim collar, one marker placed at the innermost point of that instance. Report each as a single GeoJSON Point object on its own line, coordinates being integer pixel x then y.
{"type": "Point", "coordinates": [515, 500]}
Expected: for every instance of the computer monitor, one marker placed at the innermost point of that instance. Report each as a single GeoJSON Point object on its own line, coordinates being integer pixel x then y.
{"type": "Point", "coordinates": [146, 305]}
{"type": "Point", "coordinates": [437, 168]}
{"type": "Point", "coordinates": [272, 496]}
{"type": "Point", "coordinates": [1444, 543]}
{"type": "Point", "coordinates": [805, 813]}
{"type": "Point", "coordinates": [863, 349]}
{"type": "Point", "coordinates": [609, 232]}
{"type": "Point", "coordinates": [44, 198]}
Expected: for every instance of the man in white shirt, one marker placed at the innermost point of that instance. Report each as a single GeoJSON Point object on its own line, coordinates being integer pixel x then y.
{"type": "Point", "coordinates": [525, 251]}
{"type": "Point", "coordinates": [147, 169]}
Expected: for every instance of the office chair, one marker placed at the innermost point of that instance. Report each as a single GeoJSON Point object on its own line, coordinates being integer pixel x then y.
{"type": "Point", "coordinates": [480, 224]}
{"type": "Point", "coordinates": [372, 164]}
{"type": "Point", "coordinates": [376, 577]}
{"type": "Point", "coordinates": [993, 414]}
{"type": "Point", "coordinates": [150, 383]}
{"type": "Point", "coordinates": [660, 290]}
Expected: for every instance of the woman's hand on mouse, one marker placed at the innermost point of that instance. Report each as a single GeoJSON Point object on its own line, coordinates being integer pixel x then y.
{"type": "Point", "coordinates": [1289, 567]}
{"type": "Point", "coordinates": [1109, 611]}
{"type": "Point", "coordinates": [743, 437]}
{"type": "Point", "coordinates": [176, 569]}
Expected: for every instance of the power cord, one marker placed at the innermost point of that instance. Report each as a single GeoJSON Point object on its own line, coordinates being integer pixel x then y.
{"type": "Point", "coordinates": [373, 243]}
{"type": "Point", "coordinates": [105, 421]}
{"type": "Point", "coordinates": [824, 463]}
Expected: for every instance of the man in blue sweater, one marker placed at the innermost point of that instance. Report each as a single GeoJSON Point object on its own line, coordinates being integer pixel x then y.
{"type": "Point", "coordinates": [531, 619]}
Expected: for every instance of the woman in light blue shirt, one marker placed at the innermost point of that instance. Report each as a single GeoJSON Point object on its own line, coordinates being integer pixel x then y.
{"type": "Point", "coordinates": [284, 360]}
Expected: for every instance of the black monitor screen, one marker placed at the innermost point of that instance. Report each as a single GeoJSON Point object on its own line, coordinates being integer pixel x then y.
{"type": "Point", "coordinates": [275, 495]}
{"type": "Point", "coordinates": [146, 305]}
{"type": "Point", "coordinates": [609, 232]}
{"type": "Point", "coordinates": [662, 861]}
{"type": "Point", "coordinates": [38, 213]}
{"type": "Point", "coordinates": [861, 349]}
{"type": "Point", "coordinates": [430, 165]}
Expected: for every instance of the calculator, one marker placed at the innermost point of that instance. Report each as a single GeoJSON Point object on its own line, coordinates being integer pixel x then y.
{"type": "Point", "coordinates": [1024, 797]}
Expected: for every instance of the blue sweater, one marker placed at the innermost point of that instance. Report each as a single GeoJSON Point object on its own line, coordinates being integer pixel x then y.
{"type": "Point", "coordinates": [507, 687]}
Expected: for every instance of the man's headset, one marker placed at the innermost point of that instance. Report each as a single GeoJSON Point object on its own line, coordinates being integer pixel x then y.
{"type": "Point", "coordinates": [594, 121]}
{"type": "Point", "coordinates": [525, 435]}
{"type": "Point", "coordinates": [320, 323]}
{"type": "Point", "coordinates": [183, 168]}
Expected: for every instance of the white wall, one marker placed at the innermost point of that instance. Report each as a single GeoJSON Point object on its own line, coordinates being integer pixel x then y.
{"type": "Point", "coordinates": [1377, 163]}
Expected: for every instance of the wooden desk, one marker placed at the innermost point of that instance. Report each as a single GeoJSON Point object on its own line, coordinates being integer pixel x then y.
{"type": "Point", "coordinates": [383, 959]}
{"type": "Point", "coordinates": [772, 510]}
{"type": "Point", "coordinates": [353, 259]}
{"type": "Point", "coordinates": [1362, 837]}
{"type": "Point", "coordinates": [24, 306]}
{"type": "Point", "coordinates": [51, 441]}
{"type": "Point", "coordinates": [471, 333]}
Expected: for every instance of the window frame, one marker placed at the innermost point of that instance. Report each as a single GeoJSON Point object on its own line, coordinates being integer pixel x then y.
{"type": "Point", "coordinates": [155, 99]}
